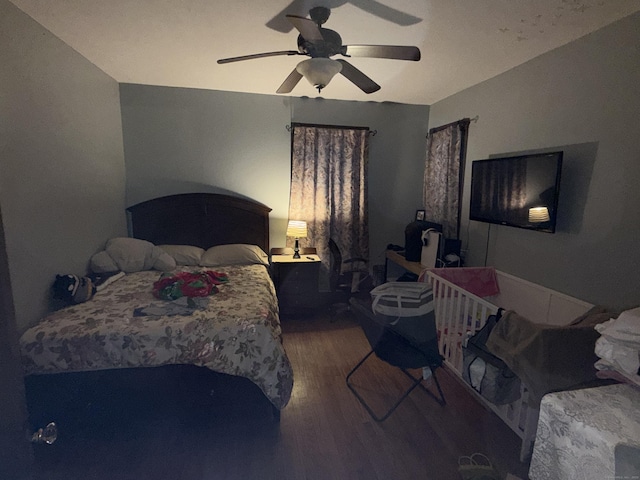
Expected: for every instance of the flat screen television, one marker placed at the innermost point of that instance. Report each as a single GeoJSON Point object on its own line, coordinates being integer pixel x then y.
{"type": "Point", "coordinates": [520, 191]}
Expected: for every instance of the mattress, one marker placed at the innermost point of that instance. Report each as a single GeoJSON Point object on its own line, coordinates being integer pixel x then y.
{"type": "Point", "coordinates": [237, 333]}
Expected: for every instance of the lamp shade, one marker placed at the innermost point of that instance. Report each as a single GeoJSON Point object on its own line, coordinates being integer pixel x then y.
{"type": "Point", "coordinates": [319, 71]}
{"type": "Point", "coordinates": [538, 215]}
{"type": "Point", "coordinates": [297, 228]}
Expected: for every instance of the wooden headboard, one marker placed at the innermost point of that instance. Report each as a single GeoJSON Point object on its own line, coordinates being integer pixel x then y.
{"type": "Point", "coordinates": [200, 219]}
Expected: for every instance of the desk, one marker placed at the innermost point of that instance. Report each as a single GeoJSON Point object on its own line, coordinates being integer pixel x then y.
{"type": "Point", "coordinates": [398, 259]}
{"type": "Point", "coordinates": [578, 432]}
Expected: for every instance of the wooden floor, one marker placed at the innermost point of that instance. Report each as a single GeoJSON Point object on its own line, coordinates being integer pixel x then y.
{"type": "Point", "coordinates": [192, 424]}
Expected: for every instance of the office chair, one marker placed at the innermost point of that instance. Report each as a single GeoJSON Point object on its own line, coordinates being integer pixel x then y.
{"type": "Point", "coordinates": [346, 277]}
{"type": "Point", "coordinates": [409, 343]}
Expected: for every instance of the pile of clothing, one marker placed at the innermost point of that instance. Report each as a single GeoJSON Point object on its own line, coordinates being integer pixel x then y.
{"type": "Point", "coordinates": [618, 347]}
{"type": "Point", "coordinates": [172, 286]}
{"type": "Point", "coordinates": [185, 292]}
{"type": "Point", "coordinates": [549, 358]}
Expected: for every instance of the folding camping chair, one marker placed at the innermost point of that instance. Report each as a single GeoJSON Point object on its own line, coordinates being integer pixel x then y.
{"type": "Point", "coordinates": [410, 343]}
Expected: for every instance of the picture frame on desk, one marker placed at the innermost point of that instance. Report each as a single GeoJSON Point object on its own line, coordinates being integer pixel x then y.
{"type": "Point", "coordinates": [420, 215]}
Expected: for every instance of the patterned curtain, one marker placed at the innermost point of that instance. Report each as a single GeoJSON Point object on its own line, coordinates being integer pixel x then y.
{"type": "Point", "coordinates": [329, 189]}
{"type": "Point", "coordinates": [444, 174]}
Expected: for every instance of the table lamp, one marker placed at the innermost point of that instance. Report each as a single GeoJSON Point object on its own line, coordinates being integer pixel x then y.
{"type": "Point", "coordinates": [539, 215]}
{"type": "Point", "coordinates": [297, 229]}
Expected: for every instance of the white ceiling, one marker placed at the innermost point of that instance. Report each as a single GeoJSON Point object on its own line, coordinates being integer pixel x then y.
{"type": "Point", "coordinates": [177, 42]}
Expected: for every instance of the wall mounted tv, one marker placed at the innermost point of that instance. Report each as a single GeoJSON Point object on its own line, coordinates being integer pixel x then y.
{"type": "Point", "coordinates": [519, 191]}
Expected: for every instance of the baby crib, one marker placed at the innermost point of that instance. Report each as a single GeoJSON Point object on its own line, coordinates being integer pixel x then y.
{"type": "Point", "coordinates": [460, 312]}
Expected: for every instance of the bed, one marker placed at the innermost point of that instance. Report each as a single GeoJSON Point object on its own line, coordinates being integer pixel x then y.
{"type": "Point", "coordinates": [237, 331]}
{"type": "Point", "coordinates": [587, 434]}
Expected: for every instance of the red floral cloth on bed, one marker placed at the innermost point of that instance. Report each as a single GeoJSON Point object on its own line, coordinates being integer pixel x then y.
{"type": "Point", "coordinates": [188, 284]}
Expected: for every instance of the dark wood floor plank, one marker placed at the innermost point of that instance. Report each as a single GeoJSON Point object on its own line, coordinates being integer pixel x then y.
{"type": "Point", "coordinates": [201, 426]}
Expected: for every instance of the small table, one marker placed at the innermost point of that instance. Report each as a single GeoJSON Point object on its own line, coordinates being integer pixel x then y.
{"type": "Point", "coordinates": [296, 281]}
{"type": "Point", "coordinates": [399, 259]}
{"type": "Point", "coordinates": [578, 432]}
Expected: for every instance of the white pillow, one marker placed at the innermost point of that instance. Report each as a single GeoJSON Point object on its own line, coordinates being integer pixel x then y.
{"type": "Point", "coordinates": [102, 262]}
{"type": "Point", "coordinates": [184, 254]}
{"type": "Point", "coordinates": [132, 255]}
{"type": "Point", "coordinates": [234, 254]}
{"type": "Point", "coordinates": [161, 260]}
{"type": "Point", "coordinates": [129, 253]}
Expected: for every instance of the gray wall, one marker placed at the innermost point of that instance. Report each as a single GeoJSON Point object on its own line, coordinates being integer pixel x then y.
{"type": "Point", "coordinates": [184, 140]}
{"type": "Point", "coordinates": [583, 98]}
{"type": "Point", "coordinates": [62, 187]}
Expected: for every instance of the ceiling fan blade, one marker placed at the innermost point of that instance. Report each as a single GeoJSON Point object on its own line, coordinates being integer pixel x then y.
{"type": "Point", "coordinates": [290, 82]}
{"type": "Point", "coordinates": [396, 52]}
{"type": "Point", "coordinates": [354, 75]}
{"type": "Point", "coordinates": [280, 23]}
{"type": "Point", "coordinates": [387, 13]}
{"type": "Point", "coordinates": [259, 55]}
{"type": "Point", "coordinates": [307, 28]}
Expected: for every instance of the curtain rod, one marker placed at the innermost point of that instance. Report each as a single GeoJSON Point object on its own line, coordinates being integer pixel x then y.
{"type": "Point", "coordinates": [290, 126]}
{"type": "Point", "coordinates": [463, 121]}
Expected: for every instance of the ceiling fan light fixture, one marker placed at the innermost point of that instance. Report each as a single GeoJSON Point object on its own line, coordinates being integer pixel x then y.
{"type": "Point", "coordinates": [319, 71]}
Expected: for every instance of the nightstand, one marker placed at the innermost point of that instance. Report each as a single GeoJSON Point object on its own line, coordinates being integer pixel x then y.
{"type": "Point", "coordinates": [296, 281]}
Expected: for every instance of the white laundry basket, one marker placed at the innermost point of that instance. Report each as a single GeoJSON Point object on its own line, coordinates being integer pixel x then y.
{"type": "Point", "coordinates": [402, 299]}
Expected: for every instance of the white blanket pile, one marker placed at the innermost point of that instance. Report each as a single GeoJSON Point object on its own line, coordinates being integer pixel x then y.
{"type": "Point", "coordinates": [619, 345]}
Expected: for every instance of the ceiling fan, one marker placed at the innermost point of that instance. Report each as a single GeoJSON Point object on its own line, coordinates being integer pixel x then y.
{"type": "Point", "coordinates": [280, 23]}
{"type": "Point", "coordinates": [321, 44]}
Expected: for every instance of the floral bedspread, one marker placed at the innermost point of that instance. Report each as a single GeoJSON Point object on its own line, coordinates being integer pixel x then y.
{"type": "Point", "coordinates": [238, 333]}
{"type": "Point", "coordinates": [579, 431]}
